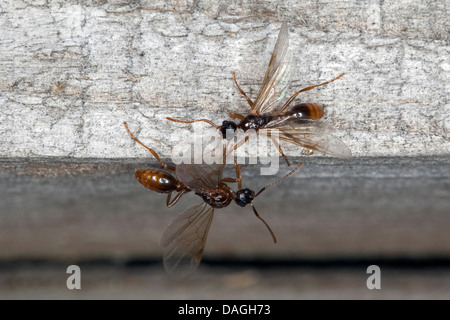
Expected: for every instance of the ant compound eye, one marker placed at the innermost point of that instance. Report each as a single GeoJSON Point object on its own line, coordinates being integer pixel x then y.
{"type": "Point", "coordinates": [229, 126]}
{"type": "Point", "coordinates": [249, 193]}
{"type": "Point", "coordinates": [244, 197]}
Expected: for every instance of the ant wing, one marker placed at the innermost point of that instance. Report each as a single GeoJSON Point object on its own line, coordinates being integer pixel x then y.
{"type": "Point", "coordinates": [184, 240]}
{"type": "Point", "coordinates": [311, 136]}
{"type": "Point", "coordinates": [199, 177]}
{"type": "Point", "coordinates": [277, 75]}
{"type": "Point", "coordinates": [202, 176]}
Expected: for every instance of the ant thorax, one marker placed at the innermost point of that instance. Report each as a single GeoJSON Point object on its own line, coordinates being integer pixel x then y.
{"type": "Point", "coordinates": [218, 198]}
{"type": "Point", "coordinates": [254, 122]}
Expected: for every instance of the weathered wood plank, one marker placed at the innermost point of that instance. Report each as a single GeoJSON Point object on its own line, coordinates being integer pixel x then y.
{"type": "Point", "coordinates": [72, 71]}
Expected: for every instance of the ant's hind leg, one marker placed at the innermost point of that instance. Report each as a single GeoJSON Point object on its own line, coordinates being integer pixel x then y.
{"type": "Point", "coordinates": [166, 166]}
{"type": "Point", "coordinates": [175, 200]}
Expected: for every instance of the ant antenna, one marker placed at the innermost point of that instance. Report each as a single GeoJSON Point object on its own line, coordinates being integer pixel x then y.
{"type": "Point", "coordinates": [279, 180]}
{"type": "Point", "coordinates": [259, 217]}
{"type": "Point", "coordinates": [267, 187]}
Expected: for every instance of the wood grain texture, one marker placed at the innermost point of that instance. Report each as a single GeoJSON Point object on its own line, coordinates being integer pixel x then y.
{"type": "Point", "coordinates": [72, 71]}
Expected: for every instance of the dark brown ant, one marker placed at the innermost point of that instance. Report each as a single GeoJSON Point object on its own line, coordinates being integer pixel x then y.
{"type": "Point", "coordinates": [297, 124]}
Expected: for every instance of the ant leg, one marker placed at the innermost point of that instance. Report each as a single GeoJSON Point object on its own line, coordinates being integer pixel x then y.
{"type": "Point", "coordinates": [250, 102]}
{"type": "Point", "coordinates": [240, 143]}
{"type": "Point", "coordinates": [275, 142]}
{"type": "Point", "coordinates": [168, 203]}
{"type": "Point", "coordinates": [204, 120]}
{"type": "Point", "coordinates": [238, 178]}
{"type": "Point", "coordinates": [238, 174]}
{"type": "Point", "coordinates": [234, 115]}
{"type": "Point", "coordinates": [166, 166]}
{"type": "Point", "coordinates": [304, 90]}
{"type": "Point", "coordinates": [175, 200]}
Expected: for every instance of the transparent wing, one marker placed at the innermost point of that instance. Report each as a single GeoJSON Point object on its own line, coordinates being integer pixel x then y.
{"type": "Point", "coordinates": [276, 79]}
{"type": "Point", "coordinates": [312, 136]}
{"type": "Point", "coordinates": [184, 240]}
{"type": "Point", "coordinates": [199, 177]}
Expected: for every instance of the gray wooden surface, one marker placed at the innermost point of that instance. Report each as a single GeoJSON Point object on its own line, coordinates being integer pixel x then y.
{"type": "Point", "coordinates": [72, 71]}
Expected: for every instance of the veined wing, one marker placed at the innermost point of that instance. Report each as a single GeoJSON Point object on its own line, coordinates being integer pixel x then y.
{"type": "Point", "coordinates": [184, 240]}
{"type": "Point", "coordinates": [313, 137]}
{"type": "Point", "coordinates": [199, 177]}
{"type": "Point", "coordinates": [276, 79]}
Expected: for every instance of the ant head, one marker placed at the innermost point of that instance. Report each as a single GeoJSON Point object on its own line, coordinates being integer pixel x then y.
{"type": "Point", "coordinates": [227, 125]}
{"type": "Point", "coordinates": [244, 197]}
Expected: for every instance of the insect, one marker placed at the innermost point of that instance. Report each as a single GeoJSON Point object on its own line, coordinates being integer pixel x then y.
{"type": "Point", "coordinates": [185, 237]}
{"type": "Point", "coordinates": [162, 181]}
{"type": "Point", "coordinates": [297, 124]}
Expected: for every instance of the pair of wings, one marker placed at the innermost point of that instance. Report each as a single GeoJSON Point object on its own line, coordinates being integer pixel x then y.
{"type": "Point", "coordinates": [185, 237]}
{"type": "Point", "coordinates": [307, 134]}
{"type": "Point", "coordinates": [184, 240]}
{"type": "Point", "coordinates": [276, 79]}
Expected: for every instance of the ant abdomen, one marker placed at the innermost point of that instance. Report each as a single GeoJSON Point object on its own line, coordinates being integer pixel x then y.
{"type": "Point", "coordinates": [159, 181]}
{"type": "Point", "coordinates": [307, 111]}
